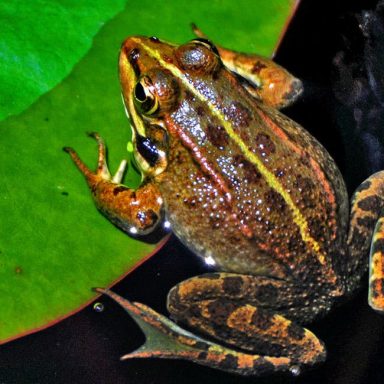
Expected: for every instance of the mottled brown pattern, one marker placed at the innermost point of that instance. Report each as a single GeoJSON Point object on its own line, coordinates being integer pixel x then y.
{"type": "Point", "coordinates": [232, 285]}
{"type": "Point", "coordinates": [257, 67]}
{"type": "Point", "coordinates": [378, 246]}
{"type": "Point", "coordinates": [370, 203]}
{"type": "Point", "coordinates": [217, 136]}
{"type": "Point", "coordinates": [263, 366]}
{"type": "Point", "coordinates": [262, 320]}
{"type": "Point", "coordinates": [239, 114]}
{"type": "Point", "coordinates": [376, 288]}
{"type": "Point", "coordinates": [229, 362]}
{"type": "Point", "coordinates": [295, 332]}
{"type": "Point", "coordinates": [250, 172]}
{"type": "Point", "coordinates": [120, 189]}
{"type": "Point", "coordinates": [264, 144]}
{"type": "Point", "coordinates": [200, 111]}
{"type": "Point", "coordinates": [366, 222]}
{"type": "Point", "coordinates": [219, 310]}
{"type": "Point", "coordinates": [304, 184]}
{"type": "Point", "coordinates": [267, 293]}
{"type": "Point", "coordinates": [274, 200]}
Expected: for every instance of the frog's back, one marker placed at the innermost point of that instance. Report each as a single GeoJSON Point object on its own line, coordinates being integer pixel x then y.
{"type": "Point", "coordinates": [247, 187]}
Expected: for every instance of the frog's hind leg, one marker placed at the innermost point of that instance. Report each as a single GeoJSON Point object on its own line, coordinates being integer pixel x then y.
{"type": "Point", "coordinates": [249, 312]}
{"type": "Point", "coordinates": [376, 269]}
{"type": "Point", "coordinates": [367, 231]}
{"type": "Point", "coordinates": [165, 339]}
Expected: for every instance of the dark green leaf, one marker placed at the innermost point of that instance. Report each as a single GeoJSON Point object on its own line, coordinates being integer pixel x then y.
{"type": "Point", "coordinates": [40, 43]}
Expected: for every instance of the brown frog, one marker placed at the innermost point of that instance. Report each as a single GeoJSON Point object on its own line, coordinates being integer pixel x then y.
{"type": "Point", "coordinates": [251, 192]}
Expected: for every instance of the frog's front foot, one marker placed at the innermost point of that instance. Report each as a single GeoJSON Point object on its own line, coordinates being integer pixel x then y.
{"type": "Point", "coordinates": [134, 211]}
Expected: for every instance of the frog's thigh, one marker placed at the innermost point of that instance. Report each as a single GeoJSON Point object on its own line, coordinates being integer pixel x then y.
{"type": "Point", "coordinates": [376, 268]}
{"type": "Point", "coordinates": [367, 230]}
{"type": "Point", "coordinates": [235, 322]}
{"type": "Point", "coordinates": [278, 295]}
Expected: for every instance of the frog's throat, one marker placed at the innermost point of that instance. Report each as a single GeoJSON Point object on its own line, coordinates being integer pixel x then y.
{"type": "Point", "coordinates": [270, 178]}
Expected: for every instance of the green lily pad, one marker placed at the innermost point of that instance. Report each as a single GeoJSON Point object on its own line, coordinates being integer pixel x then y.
{"type": "Point", "coordinates": [54, 245]}
{"type": "Point", "coordinates": [41, 42]}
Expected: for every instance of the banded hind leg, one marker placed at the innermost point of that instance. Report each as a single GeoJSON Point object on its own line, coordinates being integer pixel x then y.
{"type": "Point", "coordinates": [367, 233]}
{"type": "Point", "coordinates": [244, 338]}
{"type": "Point", "coordinates": [252, 313]}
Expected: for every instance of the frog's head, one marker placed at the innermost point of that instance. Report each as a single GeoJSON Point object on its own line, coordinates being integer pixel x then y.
{"type": "Point", "coordinates": [154, 76]}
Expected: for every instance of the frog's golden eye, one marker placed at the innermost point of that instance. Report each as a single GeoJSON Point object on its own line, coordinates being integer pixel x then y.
{"type": "Point", "coordinates": [156, 93]}
{"type": "Point", "coordinates": [199, 56]}
{"type": "Point", "coordinates": [144, 95]}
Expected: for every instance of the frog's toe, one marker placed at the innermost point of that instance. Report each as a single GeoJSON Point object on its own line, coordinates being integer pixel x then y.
{"type": "Point", "coordinates": [102, 172]}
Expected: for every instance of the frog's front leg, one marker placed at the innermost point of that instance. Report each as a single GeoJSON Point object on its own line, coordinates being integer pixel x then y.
{"type": "Point", "coordinates": [267, 80]}
{"type": "Point", "coordinates": [134, 211]}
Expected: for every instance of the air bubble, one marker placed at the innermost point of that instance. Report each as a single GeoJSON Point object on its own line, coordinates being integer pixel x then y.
{"type": "Point", "coordinates": [295, 370]}
{"type": "Point", "coordinates": [98, 307]}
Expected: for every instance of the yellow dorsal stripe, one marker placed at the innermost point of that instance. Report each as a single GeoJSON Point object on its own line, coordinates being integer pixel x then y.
{"type": "Point", "coordinates": [270, 178]}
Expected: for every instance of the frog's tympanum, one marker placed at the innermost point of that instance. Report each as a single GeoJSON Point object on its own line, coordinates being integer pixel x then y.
{"type": "Point", "coordinates": [250, 191]}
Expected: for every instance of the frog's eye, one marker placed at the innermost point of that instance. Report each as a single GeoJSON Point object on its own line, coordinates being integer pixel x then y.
{"type": "Point", "coordinates": [156, 93]}
{"type": "Point", "coordinates": [144, 96]}
{"type": "Point", "coordinates": [199, 55]}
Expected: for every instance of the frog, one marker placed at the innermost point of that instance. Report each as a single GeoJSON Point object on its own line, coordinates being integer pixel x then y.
{"type": "Point", "coordinates": [249, 191]}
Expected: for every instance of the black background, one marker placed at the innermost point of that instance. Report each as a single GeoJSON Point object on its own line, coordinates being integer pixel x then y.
{"type": "Point", "coordinates": [86, 347]}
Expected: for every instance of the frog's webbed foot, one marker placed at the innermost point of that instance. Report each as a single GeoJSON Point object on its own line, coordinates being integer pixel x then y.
{"type": "Point", "coordinates": [266, 80]}
{"type": "Point", "coordinates": [134, 211]}
{"type": "Point", "coordinates": [275, 344]}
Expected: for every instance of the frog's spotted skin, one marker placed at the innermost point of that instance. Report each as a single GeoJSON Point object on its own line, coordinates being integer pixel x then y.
{"type": "Point", "coordinates": [367, 205]}
{"type": "Point", "coordinates": [249, 190]}
{"type": "Point", "coordinates": [376, 275]}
